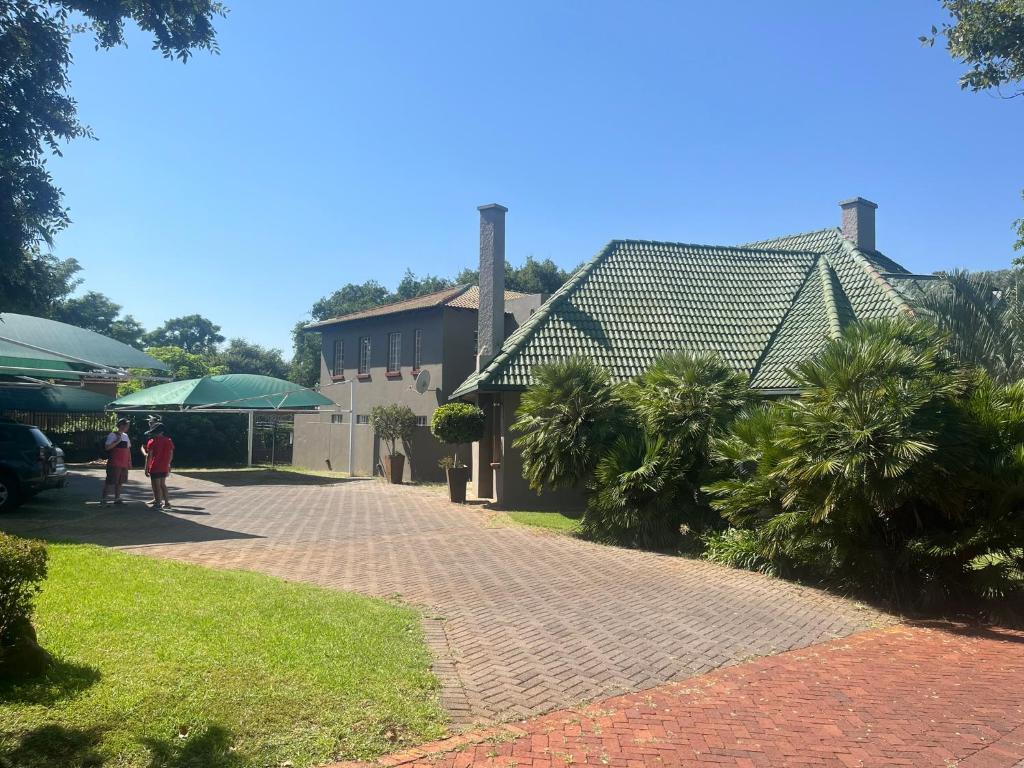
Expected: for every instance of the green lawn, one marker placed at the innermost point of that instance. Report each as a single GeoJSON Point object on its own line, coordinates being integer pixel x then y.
{"type": "Point", "coordinates": [168, 665]}
{"type": "Point", "coordinates": [555, 521]}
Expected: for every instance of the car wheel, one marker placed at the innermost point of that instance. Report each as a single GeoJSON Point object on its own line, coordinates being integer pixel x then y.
{"type": "Point", "coordinates": [9, 496]}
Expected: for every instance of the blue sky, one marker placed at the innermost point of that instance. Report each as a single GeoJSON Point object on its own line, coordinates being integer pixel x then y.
{"type": "Point", "coordinates": [337, 142]}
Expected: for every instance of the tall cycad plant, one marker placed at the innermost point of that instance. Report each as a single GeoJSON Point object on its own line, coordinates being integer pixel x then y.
{"type": "Point", "coordinates": [984, 319]}
{"type": "Point", "coordinates": [566, 421]}
{"type": "Point", "coordinates": [641, 448]}
{"type": "Point", "coordinates": [647, 489]}
{"type": "Point", "coordinates": [895, 472]}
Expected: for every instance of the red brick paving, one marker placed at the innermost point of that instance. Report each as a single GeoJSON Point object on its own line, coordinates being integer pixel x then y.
{"type": "Point", "coordinates": [901, 696]}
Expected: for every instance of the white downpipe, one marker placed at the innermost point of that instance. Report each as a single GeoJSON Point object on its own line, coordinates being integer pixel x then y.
{"type": "Point", "coordinates": [351, 424]}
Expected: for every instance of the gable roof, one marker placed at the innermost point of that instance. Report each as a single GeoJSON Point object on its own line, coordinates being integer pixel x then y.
{"type": "Point", "coordinates": [459, 297]}
{"type": "Point", "coordinates": [471, 298]}
{"type": "Point", "coordinates": [763, 307]}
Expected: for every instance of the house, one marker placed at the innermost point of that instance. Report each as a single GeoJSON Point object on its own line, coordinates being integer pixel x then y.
{"type": "Point", "coordinates": [763, 307]}
{"type": "Point", "coordinates": [374, 357]}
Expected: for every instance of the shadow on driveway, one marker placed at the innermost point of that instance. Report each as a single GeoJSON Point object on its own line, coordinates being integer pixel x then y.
{"type": "Point", "coordinates": [246, 477]}
{"type": "Point", "coordinates": [74, 514]}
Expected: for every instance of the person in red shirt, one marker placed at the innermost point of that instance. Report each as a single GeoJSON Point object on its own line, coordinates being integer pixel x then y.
{"type": "Point", "coordinates": [159, 453]}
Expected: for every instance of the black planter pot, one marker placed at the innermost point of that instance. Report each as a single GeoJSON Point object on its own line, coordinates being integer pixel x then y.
{"type": "Point", "coordinates": [394, 468]}
{"type": "Point", "coordinates": [457, 479]}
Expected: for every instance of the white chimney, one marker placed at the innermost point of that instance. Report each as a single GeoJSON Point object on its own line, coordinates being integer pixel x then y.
{"type": "Point", "coordinates": [859, 222]}
{"type": "Point", "coordinates": [491, 317]}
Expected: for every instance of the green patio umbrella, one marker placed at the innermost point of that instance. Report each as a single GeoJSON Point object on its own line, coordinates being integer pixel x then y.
{"type": "Point", "coordinates": [232, 391]}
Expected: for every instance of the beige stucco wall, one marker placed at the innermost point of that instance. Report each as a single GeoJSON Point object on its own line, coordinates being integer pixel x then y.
{"type": "Point", "coordinates": [515, 492]}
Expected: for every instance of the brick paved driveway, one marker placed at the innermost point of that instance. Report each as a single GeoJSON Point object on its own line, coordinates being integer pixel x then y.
{"type": "Point", "coordinates": [903, 696]}
{"type": "Point", "coordinates": [520, 621]}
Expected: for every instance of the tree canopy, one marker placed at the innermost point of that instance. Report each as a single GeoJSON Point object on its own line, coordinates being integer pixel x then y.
{"type": "Point", "coordinates": [242, 356]}
{"type": "Point", "coordinates": [533, 277]}
{"type": "Point", "coordinates": [988, 37]}
{"type": "Point", "coordinates": [38, 114]}
{"type": "Point", "coordinates": [192, 333]}
{"type": "Point", "coordinates": [983, 315]}
{"type": "Point", "coordinates": [96, 312]}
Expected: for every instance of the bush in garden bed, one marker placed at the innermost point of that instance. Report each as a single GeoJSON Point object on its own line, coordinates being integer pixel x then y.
{"type": "Point", "coordinates": [898, 473]}
{"type": "Point", "coordinates": [642, 448]}
{"type": "Point", "coordinates": [23, 564]}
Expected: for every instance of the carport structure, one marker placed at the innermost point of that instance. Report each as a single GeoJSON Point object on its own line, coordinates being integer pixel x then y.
{"type": "Point", "coordinates": [60, 377]}
{"type": "Point", "coordinates": [38, 350]}
{"type": "Point", "coordinates": [227, 393]}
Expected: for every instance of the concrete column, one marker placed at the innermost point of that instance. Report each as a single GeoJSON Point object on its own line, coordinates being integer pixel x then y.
{"type": "Point", "coordinates": [483, 485]}
{"type": "Point", "coordinates": [499, 419]}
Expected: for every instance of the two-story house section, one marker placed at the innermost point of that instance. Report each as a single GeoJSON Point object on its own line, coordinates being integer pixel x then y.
{"type": "Point", "coordinates": [373, 357]}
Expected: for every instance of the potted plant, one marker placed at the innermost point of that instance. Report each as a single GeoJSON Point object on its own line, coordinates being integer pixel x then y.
{"type": "Point", "coordinates": [456, 424]}
{"type": "Point", "coordinates": [393, 423]}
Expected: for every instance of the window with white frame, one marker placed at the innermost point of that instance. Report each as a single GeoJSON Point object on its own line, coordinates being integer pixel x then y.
{"type": "Point", "coordinates": [362, 418]}
{"type": "Point", "coordinates": [421, 421]}
{"type": "Point", "coordinates": [364, 355]}
{"type": "Point", "coordinates": [394, 352]}
{"type": "Point", "coordinates": [417, 352]}
{"type": "Point", "coordinates": [337, 418]}
{"type": "Point", "coordinates": [338, 363]}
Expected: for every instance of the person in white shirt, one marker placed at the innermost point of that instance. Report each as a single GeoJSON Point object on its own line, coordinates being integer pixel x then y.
{"type": "Point", "coordinates": [119, 460]}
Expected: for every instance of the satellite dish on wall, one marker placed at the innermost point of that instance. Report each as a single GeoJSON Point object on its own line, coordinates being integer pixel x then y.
{"type": "Point", "coordinates": [422, 381]}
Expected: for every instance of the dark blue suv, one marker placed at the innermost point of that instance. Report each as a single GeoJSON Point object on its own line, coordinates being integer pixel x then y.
{"type": "Point", "coordinates": [29, 463]}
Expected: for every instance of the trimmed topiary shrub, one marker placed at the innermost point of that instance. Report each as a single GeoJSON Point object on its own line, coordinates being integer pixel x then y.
{"type": "Point", "coordinates": [456, 424]}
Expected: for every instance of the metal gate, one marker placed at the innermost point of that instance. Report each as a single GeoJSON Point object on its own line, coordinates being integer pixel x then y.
{"type": "Point", "coordinates": [273, 438]}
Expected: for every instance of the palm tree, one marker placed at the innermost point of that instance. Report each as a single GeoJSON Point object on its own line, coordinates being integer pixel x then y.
{"type": "Point", "coordinates": [566, 421]}
{"type": "Point", "coordinates": [897, 471]}
{"type": "Point", "coordinates": [985, 318]}
{"type": "Point", "coordinates": [637, 497]}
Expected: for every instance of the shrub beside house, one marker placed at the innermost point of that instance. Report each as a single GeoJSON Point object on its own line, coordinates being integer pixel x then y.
{"type": "Point", "coordinates": [895, 473]}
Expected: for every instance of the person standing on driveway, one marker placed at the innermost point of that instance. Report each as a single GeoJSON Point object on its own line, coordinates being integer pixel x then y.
{"type": "Point", "coordinates": [159, 454]}
{"type": "Point", "coordinates": [151, 421]}
{"type": "Point", "coordinates": [119, 460]}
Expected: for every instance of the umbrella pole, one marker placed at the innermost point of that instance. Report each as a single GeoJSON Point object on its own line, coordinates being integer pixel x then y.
{"type": "Point", "coordinates": [252, 419]}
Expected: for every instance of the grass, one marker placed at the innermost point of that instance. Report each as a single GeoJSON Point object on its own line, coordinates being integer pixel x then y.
{"type": "Point", "coordinates": [553, 521]}
{"type": "Point", "coordinates": [167, 665]}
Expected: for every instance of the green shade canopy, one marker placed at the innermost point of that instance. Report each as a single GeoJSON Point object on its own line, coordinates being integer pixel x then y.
{"type": "Point", "coordinates": [42, 369]}
{"type": "Point", "coordinates": [51, 400]}
{"type": "Point", "coordinates": [35, 343]}
{"type": "Point", "coordinates": [242, 391]}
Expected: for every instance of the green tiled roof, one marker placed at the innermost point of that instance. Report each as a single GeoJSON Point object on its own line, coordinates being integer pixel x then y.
{"type": "Point", "coordinates": [763, 307]}
{"type": "Point", "coordinates": [859, 273]}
